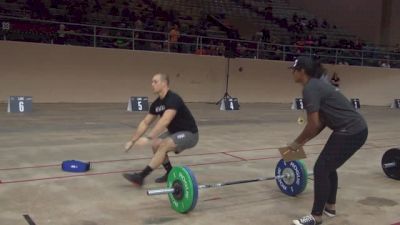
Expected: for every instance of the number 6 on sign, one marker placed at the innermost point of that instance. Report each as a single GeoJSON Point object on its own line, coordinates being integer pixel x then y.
{"type": "Point", "coordinates": [21, 106]}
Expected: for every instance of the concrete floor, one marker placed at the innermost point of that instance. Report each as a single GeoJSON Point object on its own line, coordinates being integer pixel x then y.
{"type": "Point", "coordinates": [233, 145]}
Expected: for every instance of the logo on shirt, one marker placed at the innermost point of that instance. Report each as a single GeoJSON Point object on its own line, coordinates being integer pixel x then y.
{"type": "Point", "coordinates": [160, 108]}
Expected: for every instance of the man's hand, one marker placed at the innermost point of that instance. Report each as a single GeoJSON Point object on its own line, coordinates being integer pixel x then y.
{"type": "Point", "coordinates": [129, 145]}
{"type": "Point", "coordinates": [139, 142]}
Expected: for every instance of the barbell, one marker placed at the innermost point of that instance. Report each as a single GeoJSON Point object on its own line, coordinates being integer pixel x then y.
{"type": "Point", "coordinates": [182, 188]}
{"type": "Point", "coordinates": [391, 163]}
{"type": "Point", "coordinates": [291, 178]}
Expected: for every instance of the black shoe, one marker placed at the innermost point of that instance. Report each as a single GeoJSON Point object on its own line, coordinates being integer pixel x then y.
{"type": "Point", "coordinates": [306, 220]}
{"type": "Point", "coordinates": [134, 178]}
{"type": "Point", "coordinates": [162, 179]}
{"type": "Point", "coordinates": [330, 212]}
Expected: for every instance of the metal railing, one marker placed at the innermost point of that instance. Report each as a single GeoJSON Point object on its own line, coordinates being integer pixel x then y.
{"type": "Point", "coordinates": [22, 29]}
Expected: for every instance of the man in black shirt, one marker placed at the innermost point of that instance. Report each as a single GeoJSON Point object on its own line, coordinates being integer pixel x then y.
{"type": "Point", "coordinates": [181, 134]}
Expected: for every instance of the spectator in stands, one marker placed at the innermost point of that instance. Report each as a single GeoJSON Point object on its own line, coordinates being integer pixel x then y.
{"type": "Point", "coordinates": [38, 9]}
{"type": "Point", "coordinates": [150, 16]}
{"type": "Point", "coordinates": [114, 11]}
{"type": "Point", "coordinates": [240, 49]}
{"type": "Point", "coordinates": [60, 37]}
{"type": "Point", "coordinates": [295, 18]}
{"type": "Point", "coordinates": [54, 3]}
{"type": "Point", "coordinates": [309, 40]}
{"type": "Point", "coordinates": [325, 24]}
{"type": "Point", "coordinates": [385, 64]}
{"type": "Point", "coordinates": [396, 48]}
{"type": "Point", "coordinates": [357, 44]}
{"type": "Point", "coordinates": [265, 35]}
{"type": "Point", "coordinates": [76, 11]}
{"type": "Point", "coordinates": [200, 51]}
{"type": "Point", "coordinates": [172, 15]}
{"type": "Point", "coordinates": [278, 53]}
{"type": "Point", "coordinates": [283, 23]}
{"type": "Point", "coordinates": [126, 13]}
{"type": "Point", "coordinates": [300, 45]}
{"type": "Point", "coordinates": [139, 24]}
{"type": "Point", "coordinates": [268, 13]}
{"type": "Point", "coordinates": [221, 49]}
{"type": "Point", "coordinates": [310, 25]}
{"type": "Point", "coordinates": [174, 35]}
{"type": "Point", "coordinates": [120, 42]}
{"type": "Point", "coordinates": [314, 22]}
{"type": "Point", "coordinates": [342, 62]}
{"type": "Point", "coordinates": [96, 7]}
{"type": "Point", "coordinates": [212, 50]}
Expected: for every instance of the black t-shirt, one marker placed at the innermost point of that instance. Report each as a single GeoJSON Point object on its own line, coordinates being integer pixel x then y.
{"type": "Point", "coordinates": [183, 120]}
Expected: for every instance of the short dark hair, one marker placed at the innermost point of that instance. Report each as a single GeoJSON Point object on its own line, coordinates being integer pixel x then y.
{"type": "Point", "coordinates": [164, 77]}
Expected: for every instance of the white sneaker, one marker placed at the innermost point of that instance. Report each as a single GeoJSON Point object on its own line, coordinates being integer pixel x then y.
{"type": "Point", "coordinates": [329, 212]}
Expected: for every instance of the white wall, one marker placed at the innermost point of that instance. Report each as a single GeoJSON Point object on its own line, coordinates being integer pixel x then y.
{"type": "Point", "coordinates": [52, 73]}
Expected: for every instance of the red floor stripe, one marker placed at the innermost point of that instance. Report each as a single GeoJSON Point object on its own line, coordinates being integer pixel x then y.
{"type": "Point", "coordinates": [212, 199]}
{"type": "Point", "coordinates": [234, 156]}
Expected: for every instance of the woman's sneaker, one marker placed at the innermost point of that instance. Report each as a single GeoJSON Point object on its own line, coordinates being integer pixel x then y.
{"type": "Point", "coordinates": [306, 220]}
{"type": "Point", "coordinates": [330, 212]}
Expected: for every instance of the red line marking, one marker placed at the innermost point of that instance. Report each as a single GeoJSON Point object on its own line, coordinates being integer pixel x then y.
{"type": "Point", "coordinates": [234, 156]}
{"type": "Point", "coordinates": [63, 177]}
{"type": "Point", "coordinates": [29, 167]}
{"type": "Point", "coordinates": [212, 199]}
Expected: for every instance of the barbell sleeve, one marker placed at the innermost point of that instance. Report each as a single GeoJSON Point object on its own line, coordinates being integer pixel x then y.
{"type": "Point", "coordinates": [389, 165]}
{"type": "Point", "coordinates": [160, 191]}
